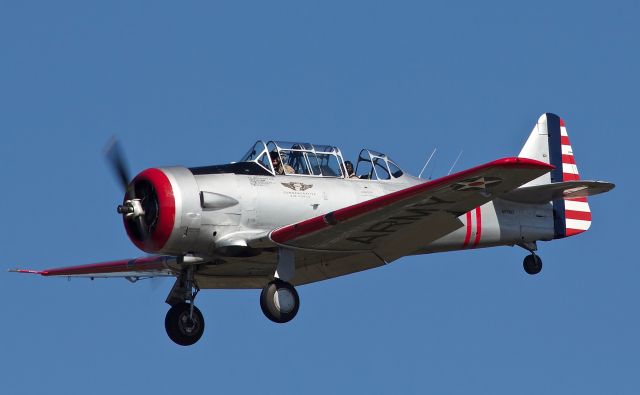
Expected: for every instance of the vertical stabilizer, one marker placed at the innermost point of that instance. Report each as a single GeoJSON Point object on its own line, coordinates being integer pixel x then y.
{"type": "Point", "coordinates": [549, 143]}
{"type": "Point", "coordinates": [537, 147]}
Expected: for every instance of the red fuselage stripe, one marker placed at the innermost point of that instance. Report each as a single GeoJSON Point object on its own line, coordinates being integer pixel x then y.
{"type": "Point", "coordinates": [478, 226]}
{"type": "Point", "coordinates": [467, 237]}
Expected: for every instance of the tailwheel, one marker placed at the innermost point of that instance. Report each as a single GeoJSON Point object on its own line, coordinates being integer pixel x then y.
{"type": "Point", "coordinates": [532, 264]}
{"type": "Point", "coordinates": [279, 301]}
{"type": "Point", "coordinates": [184, 324]}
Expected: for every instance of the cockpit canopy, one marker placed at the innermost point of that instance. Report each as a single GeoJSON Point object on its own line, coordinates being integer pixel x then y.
{"type": "Point", "coordinates": [304, 159]}
{"type": "Point", "coordinates": [373, 165]}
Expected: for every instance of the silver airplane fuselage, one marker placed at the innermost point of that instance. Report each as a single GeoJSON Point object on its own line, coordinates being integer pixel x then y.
{"type": "Point", "coordinates": [259, 204]}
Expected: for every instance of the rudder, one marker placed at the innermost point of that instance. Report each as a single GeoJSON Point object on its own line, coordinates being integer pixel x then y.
{"type": "Point", "coordinates": [549, 143]}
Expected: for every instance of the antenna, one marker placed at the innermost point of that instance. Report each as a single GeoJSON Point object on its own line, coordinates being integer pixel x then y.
{"type": "Point", "coordinates": [427, 164]}
{"type": "Point", "coordinates": [454, 163]}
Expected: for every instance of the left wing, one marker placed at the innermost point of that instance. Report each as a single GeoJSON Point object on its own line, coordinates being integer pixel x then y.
{"type": "Point", "coordinates": [154, 266]}
{"type": "Point", "coordinates": [398, 223]}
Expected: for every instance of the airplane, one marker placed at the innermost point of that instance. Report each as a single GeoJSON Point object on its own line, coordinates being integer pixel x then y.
{"type": "Point", "coordinates": [289, 214]}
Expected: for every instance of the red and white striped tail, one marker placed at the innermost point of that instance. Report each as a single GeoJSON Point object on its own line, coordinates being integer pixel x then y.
{"type": "Point", "coordinates": [549, 142]}
{"type": "Point", "coordinates": [576, 211]}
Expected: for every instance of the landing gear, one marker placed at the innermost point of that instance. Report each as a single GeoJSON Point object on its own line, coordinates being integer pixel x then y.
{"type": "Point", "coordinates": [532, 264]}
{"type": "Point", "coordinates": [184, 322]}
{"type": "Point", "coordinates": [279, 301]}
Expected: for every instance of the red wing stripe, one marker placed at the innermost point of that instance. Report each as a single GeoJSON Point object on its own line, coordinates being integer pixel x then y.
{"type": "Point", "coordinates": [467, 237]}
{"type": "Point", "coordinates": [478, 226]}
{"type": "Point", "coordinates": [564, 140]}
{"type": "Point", "coordinates": [578, 199]}
{"type": "Point", "coordinates": [570, 159]}
{"type": "Point", "coordinates": [582, 215]}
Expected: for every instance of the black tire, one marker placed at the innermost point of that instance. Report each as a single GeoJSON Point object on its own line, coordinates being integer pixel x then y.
{"type": "Point", "coordinates": [270, 306]}
{"type": "Point", "coordinates": [180, 328]}
{"type": "Point", "coordinates": [532, 264]}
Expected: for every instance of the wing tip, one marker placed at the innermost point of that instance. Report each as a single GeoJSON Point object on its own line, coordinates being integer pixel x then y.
{"type": "Point", "coordinates": [27, 271]}
{"type": "Point", "coordinates": [522, 162]}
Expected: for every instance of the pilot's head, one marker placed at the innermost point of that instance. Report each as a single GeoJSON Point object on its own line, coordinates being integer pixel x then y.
{"type": "Point", "coordinates": [349, 167]}
{"type": "Point", "coordinates": [275, 158]}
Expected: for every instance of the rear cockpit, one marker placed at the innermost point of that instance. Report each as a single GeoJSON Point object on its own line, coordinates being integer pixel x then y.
{"type": "Point", "coordinates": [313, 160]}
{"type": "Point", "coordinates": [374, 165]}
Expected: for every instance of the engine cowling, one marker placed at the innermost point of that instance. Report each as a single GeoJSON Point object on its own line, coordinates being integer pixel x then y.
{"type": "Point", "coordinates": [162, 212]}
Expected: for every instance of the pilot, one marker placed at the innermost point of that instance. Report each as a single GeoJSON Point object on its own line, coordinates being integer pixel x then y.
{"type": "Point", "coordinates": [277, 164]}
{"type": "Point", "coordinates": [350, 172]}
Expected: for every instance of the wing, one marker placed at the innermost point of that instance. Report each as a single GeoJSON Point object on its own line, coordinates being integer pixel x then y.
{"type": "Point", "coordinates": [398, 223]}
{"type": "Point", "coordinates": [154, 266]}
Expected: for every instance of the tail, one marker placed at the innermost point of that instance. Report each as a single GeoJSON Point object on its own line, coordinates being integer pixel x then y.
{"type": "Point", "coordinates": [549, 143]}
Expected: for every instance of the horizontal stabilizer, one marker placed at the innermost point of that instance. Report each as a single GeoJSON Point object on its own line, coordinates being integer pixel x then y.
{"type": "Point", "coordinates": [558, 190]}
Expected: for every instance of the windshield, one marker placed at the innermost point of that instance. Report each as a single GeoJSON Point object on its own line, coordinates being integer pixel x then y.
{"type": "Point", "coordinates": [259, 154]}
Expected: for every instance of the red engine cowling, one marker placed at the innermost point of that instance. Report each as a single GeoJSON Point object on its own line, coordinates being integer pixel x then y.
{"type": "Point", "coordinates": [159, 203]}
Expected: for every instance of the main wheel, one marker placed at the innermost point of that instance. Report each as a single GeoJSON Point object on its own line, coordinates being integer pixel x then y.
{"type": "Point", "coordinates": [532, 264]}
{"type": "Point", "coordinates": [182, 327]}
{"type": "Point", "coordinates": [279, 301]}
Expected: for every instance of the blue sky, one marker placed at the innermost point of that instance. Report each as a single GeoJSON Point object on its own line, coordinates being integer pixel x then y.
{"type": "Point", "coordinates": [198, 83]}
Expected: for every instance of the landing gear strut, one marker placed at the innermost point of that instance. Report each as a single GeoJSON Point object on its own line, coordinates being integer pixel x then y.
{"type": "Point", "coordinates": [532, 263]}
{"type": "Point", "coordinates": [184, 322]}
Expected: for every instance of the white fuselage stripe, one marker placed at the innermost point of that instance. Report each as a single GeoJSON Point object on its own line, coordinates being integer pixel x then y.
{"type": "Point", "coordinates": [566, 150]}
{"type": "Point", "coordinates": [563, 131]}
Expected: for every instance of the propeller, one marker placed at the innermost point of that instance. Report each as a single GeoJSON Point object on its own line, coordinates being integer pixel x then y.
{"type": "Point", "coordinates": [132, 208]}
{"type": "Point", "coordinates": [115, 156]}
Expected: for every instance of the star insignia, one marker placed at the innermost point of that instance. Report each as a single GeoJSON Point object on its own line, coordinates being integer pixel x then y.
{"type": "Point", "coordinates": [476, 184]}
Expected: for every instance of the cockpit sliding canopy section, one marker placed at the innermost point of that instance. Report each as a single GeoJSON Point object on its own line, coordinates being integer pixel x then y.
{"type": "Point", "coordinates": [301, 159]}
{"type": "Point", "coordinates": [314, 160]}
{"type": "Point", "coordinates": [373, 165]}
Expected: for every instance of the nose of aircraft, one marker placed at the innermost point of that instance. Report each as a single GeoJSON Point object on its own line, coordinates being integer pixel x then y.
{"type": "Point", "coordinates": [149, 210]}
